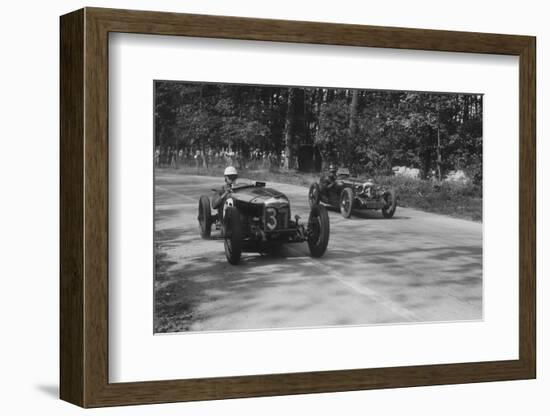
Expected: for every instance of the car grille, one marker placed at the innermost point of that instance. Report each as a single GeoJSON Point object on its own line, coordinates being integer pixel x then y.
{"type": "Point", "coordinates": [282, 218]}
{"type": "Point", "coordinates": [276, 218]}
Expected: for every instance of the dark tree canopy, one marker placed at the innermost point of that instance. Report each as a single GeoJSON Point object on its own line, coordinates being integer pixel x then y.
{"type": "Point", "coordinates": [370, 131]}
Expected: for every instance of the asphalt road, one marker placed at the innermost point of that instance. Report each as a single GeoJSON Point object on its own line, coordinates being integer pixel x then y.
{"type": "Point", "coordinates": [416, 267]}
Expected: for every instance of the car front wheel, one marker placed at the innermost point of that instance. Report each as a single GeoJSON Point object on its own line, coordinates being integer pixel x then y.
{"type": "Point", "coordinates": [391, 204]}
{"type": "Point", "coordinates": [232, 235]}
{"type": "Point", "coordinates": [314, 195]}
{"type": "Point", "coordinates": [318, 230]}
{"type": "Point", "coordinates": [205, 218]}
{"type": "Point", "coordinates": [346, 202]}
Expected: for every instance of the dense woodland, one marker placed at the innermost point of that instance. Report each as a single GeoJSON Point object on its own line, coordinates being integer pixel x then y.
{"type": "Point", "coordinates": [370, 131]}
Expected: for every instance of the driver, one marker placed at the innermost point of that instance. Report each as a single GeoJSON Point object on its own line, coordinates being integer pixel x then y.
{"type": "Point", "coordinates": [329, 180]}
{"type": "Point", "coordinates": [230, 175]}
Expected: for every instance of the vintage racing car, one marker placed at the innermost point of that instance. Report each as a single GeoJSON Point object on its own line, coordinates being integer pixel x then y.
{"type": "Point", "coordinates": [349, 193]}
{"type": "Point", "coordinates": [254, 218]}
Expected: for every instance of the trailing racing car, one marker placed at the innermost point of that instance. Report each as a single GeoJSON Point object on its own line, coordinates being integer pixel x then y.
{"type": "Point", "coordinates": [254, 218]}
{"type": "Point", "coordinates": [340, 190]}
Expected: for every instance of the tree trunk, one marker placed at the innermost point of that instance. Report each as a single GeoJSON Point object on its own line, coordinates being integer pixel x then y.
{"type": "Point", "coordinates": [352, 125]}
{"type": "Point", "coordinates": [204, 156]}
{"type": "Point", "coordinates": [438, 145]}
{"type": "Point", "coordinates": [289, 129]}
{"type": "Point", "coordinates": [466, 109]}
{"type": "Point", "coordinates": [353, 113]}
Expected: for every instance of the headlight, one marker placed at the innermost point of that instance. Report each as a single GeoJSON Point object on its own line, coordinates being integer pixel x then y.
{"type": "Point", "coordinates": [360, 189]}
{"type": "Point", "coordinates": [270, 218]}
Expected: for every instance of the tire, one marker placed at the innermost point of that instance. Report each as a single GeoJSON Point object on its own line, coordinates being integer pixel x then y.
{"type": "Point", "coordinates": [205, 217]}
{"type": "Point", "coordinates": [232, 235]}
{"type": "Point", "coordinates": [318, 231]}
{"type": "Point", "coordinates": [346, 202]}
{"type": "Point", "coordinates": [314, 194]}
{"type": "Point", "coordinates": [391, 204]}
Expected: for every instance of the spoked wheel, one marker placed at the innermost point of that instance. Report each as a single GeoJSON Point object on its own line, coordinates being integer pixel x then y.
{"type": "Point", "coordinates": [346, 202]}
{"type": "Point", "coordinates": [205, 218]}
{"type": "Point", "coordinates": [318, 230]}
{"type": "Point", "coordinates": [232, 235]}
{"type": "Point", "coordinates": [314, 195]}
{"type": "Point", "coordinates": [391, 204]}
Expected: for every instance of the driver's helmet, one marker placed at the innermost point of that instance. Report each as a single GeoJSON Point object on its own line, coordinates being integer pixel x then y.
{"type": "Point", "coordinates": [332, 168]}
{"type": "Point", "coordinates": [230, 174]}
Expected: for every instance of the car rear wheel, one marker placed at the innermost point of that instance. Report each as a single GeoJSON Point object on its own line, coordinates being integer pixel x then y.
{"type": "Point", "coordinates": [314, 195]}
{"type": "Point", "coordinates": [346, 202]}
{"type": "Point", "coordinates": [391, 204]}
{"type": "Point", "coordinates": [318, 230]}
{"type": "Point", "coordinates": [205, 218]}
{"type": "Point", "coordinates": [232, 235]}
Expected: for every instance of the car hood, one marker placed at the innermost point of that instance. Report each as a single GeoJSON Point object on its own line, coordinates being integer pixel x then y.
{"type": "Point", "coordinates": [352, 180]}
{"type": "Point", "coordinates": [259, 195]}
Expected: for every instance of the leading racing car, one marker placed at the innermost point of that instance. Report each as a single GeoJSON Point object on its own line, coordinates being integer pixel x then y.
{"type": "Point", "coordinates": [255, 218]}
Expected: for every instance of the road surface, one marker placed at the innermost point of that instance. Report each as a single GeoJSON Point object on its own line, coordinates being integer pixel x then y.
{"type": "Point", "coordinates": [416, 267]}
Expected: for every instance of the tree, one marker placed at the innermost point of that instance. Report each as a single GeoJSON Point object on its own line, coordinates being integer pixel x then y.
{"type": "Point", "coordinates": [368, 130]}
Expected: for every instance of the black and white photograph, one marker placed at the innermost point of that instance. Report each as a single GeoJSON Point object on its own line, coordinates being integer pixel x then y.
{"type": "Point", "coordinates": [283, 207]}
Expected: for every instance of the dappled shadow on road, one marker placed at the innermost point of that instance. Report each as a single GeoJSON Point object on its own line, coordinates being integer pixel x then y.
{"type": "Point", "coordinates": [370, 214]}
{"type": "Point", "coordinates": [165, 214]}
{"type": "Point", "coordinates": [281, 287]}
{"type": "Point", "coordinates": [377, 215]}
{"type": "Point", "coordinates": [174, 237]}
{"type": "Point", "coordinates": [429, 267]}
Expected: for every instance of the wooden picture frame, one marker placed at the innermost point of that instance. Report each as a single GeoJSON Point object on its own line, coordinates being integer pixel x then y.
{"type": "Point", "coordinates": [84, 207]}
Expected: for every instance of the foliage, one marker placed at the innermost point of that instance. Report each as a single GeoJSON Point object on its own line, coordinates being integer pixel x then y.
{"type": "Point", "coordinates": [369, 131]}
{"type": "Point", "coordinates": [463, 200]}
